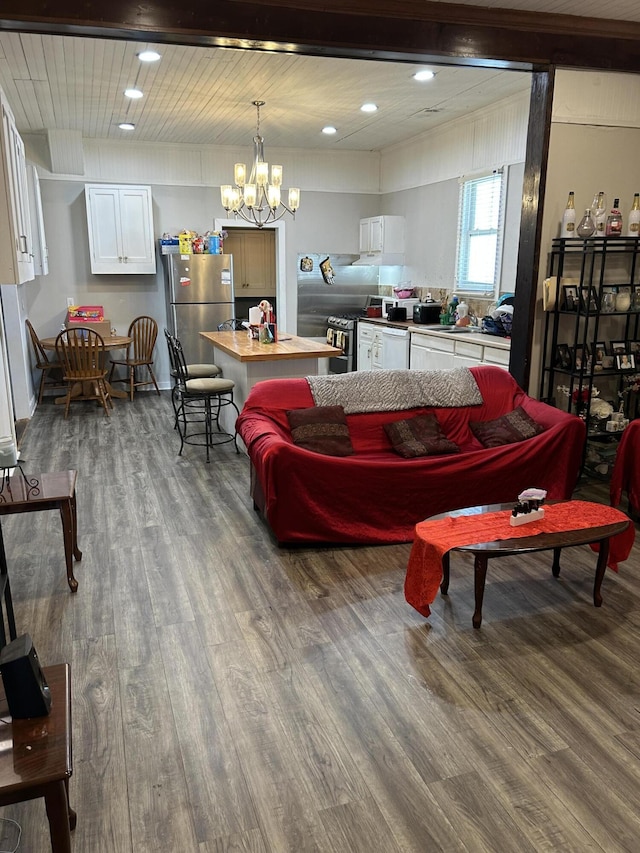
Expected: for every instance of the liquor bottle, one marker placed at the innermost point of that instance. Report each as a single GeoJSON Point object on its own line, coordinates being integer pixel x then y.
{"type": "Point", "coordinates": [599, 208]}
{"type": "Point", "coordinates": [569, 218]}
{"type": "Point", "coordinates": [633, 225]}
{"type": "Point", "coordinates": [614, 220]}
{"type": "Point", "coordinates": [586, 226]}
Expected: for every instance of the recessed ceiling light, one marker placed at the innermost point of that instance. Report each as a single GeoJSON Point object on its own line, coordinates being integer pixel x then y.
{"type": "Point", "coordinates": [126, 125]}
{"type": "Point", "coordinates": [148, 56]}
{"type": "Point", "coordinates": [368, 108]}
{"type": "Point", "coordinates": [423, 75]}
{"type": "Point", "coordinates": [133, 93]}
{"type": "Point", "coordinates": [329, 130]}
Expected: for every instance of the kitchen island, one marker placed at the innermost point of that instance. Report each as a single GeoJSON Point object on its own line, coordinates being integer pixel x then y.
{"type": "Point", "coordinates": [247, 361]}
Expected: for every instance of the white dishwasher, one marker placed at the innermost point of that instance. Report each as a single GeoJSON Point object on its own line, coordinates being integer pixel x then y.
{"type": "Point", "coordinates": [395, 348]}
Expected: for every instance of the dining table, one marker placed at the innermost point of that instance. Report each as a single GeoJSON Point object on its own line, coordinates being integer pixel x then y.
{"type": "Point", "coordinates": [113, 342]}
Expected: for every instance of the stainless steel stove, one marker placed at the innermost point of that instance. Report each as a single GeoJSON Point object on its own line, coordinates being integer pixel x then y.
{"type": "Point", "coordinates": [341, 332]}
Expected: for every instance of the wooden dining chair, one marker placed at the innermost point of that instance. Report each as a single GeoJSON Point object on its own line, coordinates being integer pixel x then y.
{"type": "Point", "coordinates": [81, 353]}
{"type": "Point", "coordinates": [143, 332]}
{"type": "Point", "coordinates": [50, 370]}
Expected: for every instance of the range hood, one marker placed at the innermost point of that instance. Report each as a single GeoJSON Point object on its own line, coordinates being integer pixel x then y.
{"type": "Point", "coordinates": [380, 259]}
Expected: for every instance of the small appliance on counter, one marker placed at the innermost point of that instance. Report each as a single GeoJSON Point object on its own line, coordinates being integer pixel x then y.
{"type": "Point", "coordinates": [395, 302]}
{"type": "Point", "coordinates": [397, 314]}
{"type": "Point", "coordinates": [427, 313]}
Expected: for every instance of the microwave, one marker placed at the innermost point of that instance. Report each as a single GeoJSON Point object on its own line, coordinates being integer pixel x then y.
{"type": "Point", "coordinates": [394, 302]}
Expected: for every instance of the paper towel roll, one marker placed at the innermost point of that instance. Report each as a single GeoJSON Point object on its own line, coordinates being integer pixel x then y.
{"type": "Point", "coordinates": [255, 315]}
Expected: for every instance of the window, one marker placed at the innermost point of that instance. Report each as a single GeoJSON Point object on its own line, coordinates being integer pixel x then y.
{"type": "Point", "coordinates": [480, 234]}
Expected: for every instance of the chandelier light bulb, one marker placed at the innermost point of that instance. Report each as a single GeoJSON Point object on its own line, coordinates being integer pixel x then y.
{"type": "Point", "coordinates": [273, 196]}
{"type": "Point", "coordinates": [294, 198]}
{"type": "Point", "coordinates": [276, 176]}
{"type": "Point", "coordinates": [262, 174]}
{"type": "Point", "coordinates": [250, 195]}
{"type": "Point", "coordinates": [239, 174]}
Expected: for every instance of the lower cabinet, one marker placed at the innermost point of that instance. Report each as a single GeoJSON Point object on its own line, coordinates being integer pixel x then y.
{"type": "Point", "coordinates": [445, 351]}
{"type": "Point", "coordinates": [382, 347]}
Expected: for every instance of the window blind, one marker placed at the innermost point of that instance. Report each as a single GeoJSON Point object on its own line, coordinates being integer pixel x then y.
{"type": "Point", "coordinates": [479, 234]}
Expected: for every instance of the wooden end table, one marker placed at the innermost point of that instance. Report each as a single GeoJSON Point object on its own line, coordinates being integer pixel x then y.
{"type": "Point", "coordinates": [54, 491]}
{"type": "Point", "coordinates": [555, 542]}
{"type": "Point", "coordinates": [36, 759]}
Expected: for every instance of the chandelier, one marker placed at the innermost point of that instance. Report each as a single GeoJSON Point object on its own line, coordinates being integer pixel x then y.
{"type": "Point", "coordinates": [256, 199]}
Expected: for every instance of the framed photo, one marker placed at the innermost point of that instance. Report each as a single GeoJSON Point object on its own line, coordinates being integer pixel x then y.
{"type": "Point", "coordinates": [634, 347]}
{"type": "Point", "coordinates": [626, 361]}
{"type": "Point", "coordinates": [580, 357]}
{"type": "Point", "coordinates": [563, 361]}
{"type": "Point", "coordinates": [618, 347]}
{"type": "Point", "coordinates": [599, 352]}
{"type": "Point", "coordinates": [570, 300]}
{"type": "Point", "coordinates": [588, 300]}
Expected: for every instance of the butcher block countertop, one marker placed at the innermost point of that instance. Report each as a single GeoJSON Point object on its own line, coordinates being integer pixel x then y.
{"type": "Point", "coordinates": [238, 346]}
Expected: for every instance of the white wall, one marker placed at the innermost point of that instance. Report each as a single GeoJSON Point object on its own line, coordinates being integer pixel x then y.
{"type": "Point", "coordinates": [594, 145]}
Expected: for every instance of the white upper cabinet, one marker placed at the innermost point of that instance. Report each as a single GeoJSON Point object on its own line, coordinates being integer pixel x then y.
{"type": "Point", "coordinates": [40, 250]}
{"type": "Point", "coordinates": [120, 222]}
{"type": "Point", "coordinates": [16, 253]}
{"type": "Point", "coordinates": [383, 234]}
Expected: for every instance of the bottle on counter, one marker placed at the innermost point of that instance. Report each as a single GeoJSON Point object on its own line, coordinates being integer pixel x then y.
{"type": "Point", "coordinates": [614, 220]}
{"type": "Point", "coordinates": [569, 218]}
{"type": "Point", "coordinates": [599, 208]}
{"type": "Point", "coordinates": [633, 223]}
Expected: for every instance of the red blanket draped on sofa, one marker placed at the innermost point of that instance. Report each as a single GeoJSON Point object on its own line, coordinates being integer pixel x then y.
{"type": "Point", "coordinates": [377, 497]}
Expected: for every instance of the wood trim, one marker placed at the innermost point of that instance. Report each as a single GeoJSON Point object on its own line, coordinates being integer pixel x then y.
{"type": "Point", "coordinates": [397, 29]}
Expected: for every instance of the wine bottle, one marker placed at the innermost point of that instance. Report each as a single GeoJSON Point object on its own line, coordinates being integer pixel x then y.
{"type": "Point", "coordinates": [599, 208]}
{"type": "Point", "coordinates": [569, 218]}
{"type": "Point", "coordinates": [614, 220]}
{"type": "Point", "coordinates": [633, 225]}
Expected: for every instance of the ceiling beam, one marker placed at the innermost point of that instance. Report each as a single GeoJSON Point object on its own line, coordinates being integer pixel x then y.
{"type": "Point", "coordinates": [393, 29]}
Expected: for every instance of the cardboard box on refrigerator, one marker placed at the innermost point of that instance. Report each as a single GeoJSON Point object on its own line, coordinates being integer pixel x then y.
{"type": "Point", "coordinates": [89, 317]}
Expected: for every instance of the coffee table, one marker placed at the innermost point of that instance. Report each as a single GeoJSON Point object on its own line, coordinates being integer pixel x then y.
{"type": "Point", "coordinates": [613, 523]}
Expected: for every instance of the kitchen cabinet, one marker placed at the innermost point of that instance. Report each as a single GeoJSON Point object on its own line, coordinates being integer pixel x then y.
{"type": "Point", "coordinates": [38, 236]}
{"type": "Point", "coordinates": [446, 350]}
{"type": "Point", "coordinates": [382, 347]}
{"type": "Point", "coordinates": [120, 224]}
{"type": "Point", "coordinates": [16, 255]}
{"type": "Point", "coordinates": [382, 234]}
{"type": "Point", "coordinates": [254, 261]}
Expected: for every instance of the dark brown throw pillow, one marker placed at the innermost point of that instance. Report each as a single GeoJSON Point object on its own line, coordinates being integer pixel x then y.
{"type": "Point", "coordinates": [322, 429]}
{"type": "Point", "coordinates": [507, 429]}
{"type": "Point", "coordinates": [419, 436]}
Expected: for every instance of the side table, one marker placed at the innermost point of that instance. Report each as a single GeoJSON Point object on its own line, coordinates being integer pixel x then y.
{"type": "Point", "coordinates": [36, 759]}
{"type": "Point", "coordinates": [54, 491]}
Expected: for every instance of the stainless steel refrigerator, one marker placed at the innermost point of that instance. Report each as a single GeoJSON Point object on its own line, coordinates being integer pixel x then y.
{"type": "Point", "coordinates": [199, 291]}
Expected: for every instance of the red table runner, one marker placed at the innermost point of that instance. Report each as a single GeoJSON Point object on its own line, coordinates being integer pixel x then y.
{"type": "Point", "coordinates": [434, 538]}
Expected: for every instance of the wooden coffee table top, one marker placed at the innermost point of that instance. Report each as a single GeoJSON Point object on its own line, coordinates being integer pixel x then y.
{"type": "Point", "coordinates": [537, 541]}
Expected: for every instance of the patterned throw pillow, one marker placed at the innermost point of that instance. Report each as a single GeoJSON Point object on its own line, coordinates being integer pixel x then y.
{"type": "Point", "coordinates": [507, 429]}
{"type": "Point", "coordinates": [419, 436]}
{"type": "Point", "coordinates": [322, 429]}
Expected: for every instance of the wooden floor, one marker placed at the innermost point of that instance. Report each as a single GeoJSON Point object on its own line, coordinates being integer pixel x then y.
{"type": "Point", "coordinates": [229, 695]}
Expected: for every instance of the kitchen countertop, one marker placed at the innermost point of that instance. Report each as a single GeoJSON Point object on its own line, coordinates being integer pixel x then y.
{"type": "Point", "coordinates": [240, 347]}
{"type": "Point", "coordinates": [441, 331]}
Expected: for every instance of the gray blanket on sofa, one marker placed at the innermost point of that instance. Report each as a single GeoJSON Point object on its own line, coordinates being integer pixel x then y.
{"type": "Point", "coordinates": [395, 390]}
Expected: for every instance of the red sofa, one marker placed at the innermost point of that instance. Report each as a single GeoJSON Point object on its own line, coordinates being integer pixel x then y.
{"type": "Point", "coordinates": [376, 496]}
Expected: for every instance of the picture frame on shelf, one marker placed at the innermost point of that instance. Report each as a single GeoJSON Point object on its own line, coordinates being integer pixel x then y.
{"type": "Point", "coordinates": [633, 347]}
{"type": "Point", "coordinates": [635, 298]}
{"type": "Point", "coordinates": [570, 300]}
{"type": "Point", "coordinates": [618, 347]}
{"type": "Point", "coordinates": [599, 354]}
{"type": "Point", "coordinates": [609, 294]}
{"type": "Point", "coordinates": [625, 361]}
{"type": "Point", "coordinates": [563, 359]}
{"type": "Point", "coordinates": [581, 357]}
{"type": "Point", "coordinates": [588, 300]}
